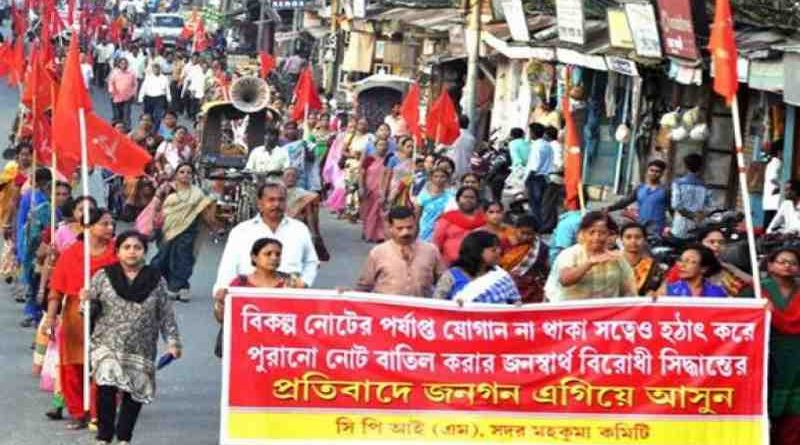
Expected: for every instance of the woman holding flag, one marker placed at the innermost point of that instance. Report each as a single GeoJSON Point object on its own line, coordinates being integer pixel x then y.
{"type": "Point", "coordinates": [65, 286]}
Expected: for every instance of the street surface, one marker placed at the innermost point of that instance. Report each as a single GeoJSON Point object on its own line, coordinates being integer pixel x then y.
{"type": "Point", "coordinates": [186, 409]}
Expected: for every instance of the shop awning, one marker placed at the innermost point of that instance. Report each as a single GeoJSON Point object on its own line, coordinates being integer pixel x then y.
{"type": "Point", "coordinates": [437, 20]}
{"type": "Point", "coordinates": [516, 51]}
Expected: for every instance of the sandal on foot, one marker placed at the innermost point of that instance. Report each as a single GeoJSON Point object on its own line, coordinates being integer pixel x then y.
{"type": "Point", "coordinates": [55, 414]}
{"type": "Point", "coordinates": [77, 424]}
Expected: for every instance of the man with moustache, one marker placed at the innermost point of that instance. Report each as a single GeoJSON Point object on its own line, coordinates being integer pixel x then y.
{"type": "Point", "coordinates": [401, 265]}
{"type": "Point", "coordinates": [299, 256]}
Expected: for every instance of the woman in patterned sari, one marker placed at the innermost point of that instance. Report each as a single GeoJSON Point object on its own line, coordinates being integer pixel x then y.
{"type": "Point", "coordinates": [646, 271]}
{"type": "Point", "coordinates": [526, 260]}
{"type": "Point", "coordinates": [401, 175]}
{"type": "Point", "coordinates": [475, 276]}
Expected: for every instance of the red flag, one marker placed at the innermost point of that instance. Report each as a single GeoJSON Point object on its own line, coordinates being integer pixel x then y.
{"type": "Point", "coordinates": [722, 46]}
{"type": "Point", "coordinates": [158, 43]}
{"type": "Point", "coordinates": [46, 51]}
{"type": "Point", "coordinates": [189, 25]}
{"type": "Point", "coordinates": [572, 158]}
{"type": "Point", "coordinates": [200, 42]}
{"type": "Point", "coordinates": [5, 58]}
{"type": "Point", "coordinates": [16, 63]}
{"type": "Point", "coordinates": [40, 87]}
{"type": "Point", "coordinates": [441, 124]}
{"type": "Point", "coordinates": [70, 12]}
{"type": "Point", "coordinates": [106, 147]}
{"type": "Point", "coordinates": [305, 95]}
{"type": "Point", "coordinates": [72, 96]}
{"type": "Point", "coordinates": [20, 21]}
{"type": "Point", "coordinates": [267, 64]}
{"type": "Point", "coordinates": [115, 31]}
{"type": "Point", "coordinates": [410, 112]}
{"type": "Point", "coordinates": [110, 149]}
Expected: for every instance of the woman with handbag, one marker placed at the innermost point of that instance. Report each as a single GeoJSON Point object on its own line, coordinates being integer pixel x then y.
{"type": "Point", "coordinates": [65, 286]}
{"type": "Point", "coordinates": [66, 235]}
{"type": "Point", "coordinates": [133, 310]}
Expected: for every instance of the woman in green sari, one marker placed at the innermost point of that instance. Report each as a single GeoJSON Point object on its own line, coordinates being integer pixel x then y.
{"type": "Point", "coordinates": [182, 204]}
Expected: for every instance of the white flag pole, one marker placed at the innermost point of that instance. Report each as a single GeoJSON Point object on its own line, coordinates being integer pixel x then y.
{"type": "Point", "coordinates": [748, 217]}
{"type": "Point", "coordinates": [86, 256]}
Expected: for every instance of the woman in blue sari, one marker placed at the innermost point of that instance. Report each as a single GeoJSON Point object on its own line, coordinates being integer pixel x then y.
{"type": "Point", "coordinates": [432, 201]}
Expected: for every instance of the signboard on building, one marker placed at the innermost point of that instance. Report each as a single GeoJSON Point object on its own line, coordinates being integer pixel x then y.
{"type": "Point", "coordinates": [359, 9]}
{"type": "Point", "coordinates": [288, 4]}
{"type": "Point", "coordinates": [515, 17]}
{"type": "Point", "coordinates": [766, 75]}
{"type": "Point", "coordinates": [791, 87]}
{"type": "Point", "coordinates": [644, 30]}
{"type": "Point", "coordinates": [570, 21]}
{"type": "Point", "coordinates": [619, 33]}
{"type": "Point", "coordinates": [677, 28]}
{"type": "Point", "coordinates": [622, 65]}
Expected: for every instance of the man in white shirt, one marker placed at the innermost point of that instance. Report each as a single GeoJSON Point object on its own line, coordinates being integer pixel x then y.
{"type": "Point", "coordinates": [194, 87]}
{"type": "Point", "coordinates": [787, 221]}
{"type": "Point", "coordinates": [396, 122]}
{"type": "Point", "coordinates": [103, 52]}
{"type": "Point", "coordinates": [155, 94]}
{"type": "Point", "coordinates": [138, 62]}
{"type": "Point", "coordinates": [269, 158]}
{"type": "Point", "coordinates": [298, 258]}
{"type": "Point", "coordinates": [87, 72]}
{"type": "Point", "coordinates": [461, 150]}
{"type": "Point", "coordinates": [772, 185]}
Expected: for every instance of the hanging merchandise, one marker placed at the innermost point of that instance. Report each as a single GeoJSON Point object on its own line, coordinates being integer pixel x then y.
{"type": "Point", "coordinates": [623, 134]}
{"type": "Point", "coordinates": [700, 132]}
{"type": "Point", "coordinates": [679, 134]}
{"type": "Point", "coordinates": [691, 117]}
{"type": "Point", "coordinates": [670, 120]}
{"type": "Point", "coordinates": [611, 94]}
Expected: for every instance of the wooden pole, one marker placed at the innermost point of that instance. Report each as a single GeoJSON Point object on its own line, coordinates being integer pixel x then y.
{"type": "Point", "coordinates": [748, 215]}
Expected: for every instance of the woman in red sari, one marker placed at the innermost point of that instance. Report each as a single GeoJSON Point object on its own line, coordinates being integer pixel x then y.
{"type": "Point", "coordinates": [374, 176]}
{"type": "Point", "coordinates": [455, 225]}
{"type": "Point", "coordinates": [782, 288]}
{"type": "Point", "coordinates": [65, 285]}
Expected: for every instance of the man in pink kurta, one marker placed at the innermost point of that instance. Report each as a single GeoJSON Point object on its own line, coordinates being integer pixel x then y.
{"type": "Point", "coordinates": [122, 87]}
{"type": "Point", "coordinates": [402, 265]}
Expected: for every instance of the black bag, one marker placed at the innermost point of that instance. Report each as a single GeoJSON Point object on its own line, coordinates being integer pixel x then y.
{"type": "Point", "coordinates": [218, 345]}
{"type": "Point", "coordinates": [95, 311]}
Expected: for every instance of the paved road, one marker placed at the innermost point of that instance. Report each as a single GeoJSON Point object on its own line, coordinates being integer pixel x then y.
{"type": "Point", "coordinates": [186, 409]}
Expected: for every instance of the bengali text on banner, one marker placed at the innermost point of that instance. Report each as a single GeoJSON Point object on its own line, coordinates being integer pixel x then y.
{"type": "Point", "coordinates": [320, 367]}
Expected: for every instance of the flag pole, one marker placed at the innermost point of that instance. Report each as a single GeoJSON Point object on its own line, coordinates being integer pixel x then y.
{"type": "Point", "coordinates": [54, 169]}
{"type": "Point", "coordinates": [86, 255]}
{"type": "Point", "coordinates": [748, 216]}
{"type": "Point", "coordinates": [53, 197]}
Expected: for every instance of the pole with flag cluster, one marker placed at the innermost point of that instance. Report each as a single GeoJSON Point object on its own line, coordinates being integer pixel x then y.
{"type": "Point", "coordinates": [722, 46]}
{"type": "Point", "coordinates": [97, 144]}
